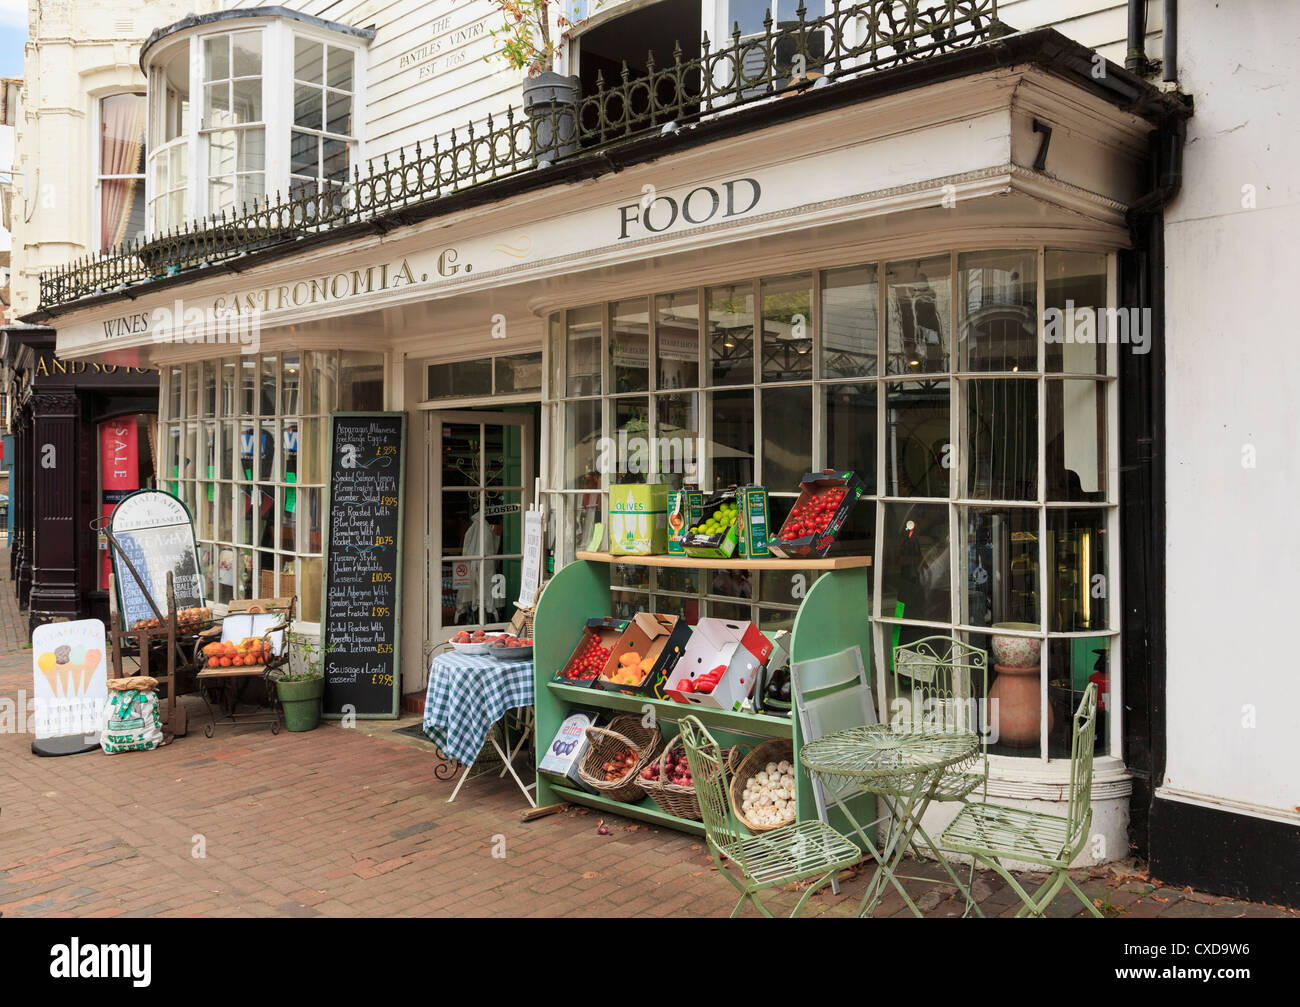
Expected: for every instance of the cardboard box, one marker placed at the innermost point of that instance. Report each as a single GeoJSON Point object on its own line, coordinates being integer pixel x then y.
{"type": "Point", "coordinates": [738, 646]}
{"type": "Point", "coordinates": [659, 639]}
{"type": "Point", "coordinates": [752, 503]}
{"type": "Point", "coordinates": [567, 748]}
{"type": "Point", "coordinates": [720, 545]}
{"type": "Point", "coordinates": [685, 508]}
{"type": "Point", "coordinates": [813, 487]}
{"type": "Point", "coordinates": [638, 519]}
{"type": "Point", "coordinates": [608, 631]}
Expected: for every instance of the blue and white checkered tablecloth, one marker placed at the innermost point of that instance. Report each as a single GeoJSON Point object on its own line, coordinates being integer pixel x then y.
{"type": "Point", "coordinates": [468, 693]}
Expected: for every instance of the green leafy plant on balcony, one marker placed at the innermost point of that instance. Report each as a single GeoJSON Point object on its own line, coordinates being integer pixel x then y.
{"type": "Point", "coordinates": [526, 38]}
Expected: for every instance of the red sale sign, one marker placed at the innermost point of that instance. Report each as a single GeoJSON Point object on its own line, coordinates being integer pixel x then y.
{"type": "Point", "coordinates": [119, 472]}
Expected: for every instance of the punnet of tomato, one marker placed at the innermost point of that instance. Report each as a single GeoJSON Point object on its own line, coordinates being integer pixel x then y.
{"type": "Point", "coordinates": [591, 653]}
{"type": "Point", "coordinates": [825, 501]}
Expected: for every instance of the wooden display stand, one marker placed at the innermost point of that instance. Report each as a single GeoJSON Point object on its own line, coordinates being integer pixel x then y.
{"type": "Point", "coordinates": [833, 616]}
{"type": "Point", "coordinates": [143, 640]}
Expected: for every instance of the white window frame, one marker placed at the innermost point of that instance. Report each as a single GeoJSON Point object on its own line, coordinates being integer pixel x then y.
{"type": "Point", "coordinates": [97, 187]}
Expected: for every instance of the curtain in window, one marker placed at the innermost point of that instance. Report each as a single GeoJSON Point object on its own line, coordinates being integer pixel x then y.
{"type": "Point", "coordinates": [122, 123]}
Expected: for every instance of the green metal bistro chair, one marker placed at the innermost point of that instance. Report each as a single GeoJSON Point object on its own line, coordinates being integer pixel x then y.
{"type": "Point", "coordinates": [991, 833]}
{"type": "Point", "coordinates": [791, 853]}
{"type": "Point", "coordinates": [933, 681]}
{"type": "Point", "coordinates": [832, 694]}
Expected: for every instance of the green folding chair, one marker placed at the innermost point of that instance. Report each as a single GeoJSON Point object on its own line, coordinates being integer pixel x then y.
{"type": "Point", "coordinates": [810, 849]}
{"type": "Point", "coordinates": [934, 681]}
{"type": "Point", "coordinates": [992, 833]}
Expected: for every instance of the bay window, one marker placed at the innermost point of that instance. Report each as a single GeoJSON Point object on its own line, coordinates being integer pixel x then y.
{"type": "Point", "coordinates": [274, 113]}
{"type": "Point", "coordinates": [986, 446]}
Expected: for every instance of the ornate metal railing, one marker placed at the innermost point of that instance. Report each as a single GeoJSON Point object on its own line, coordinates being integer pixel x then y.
{"type": "Point", "coordinates": [785, 58]}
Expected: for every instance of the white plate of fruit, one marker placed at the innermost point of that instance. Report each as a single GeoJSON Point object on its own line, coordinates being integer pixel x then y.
{"type": "Point", "coordinates": [473, 641]}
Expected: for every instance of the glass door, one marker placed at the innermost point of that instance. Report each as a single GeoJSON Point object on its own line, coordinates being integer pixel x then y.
{"type": "Point", "coordinates": [480, 483]}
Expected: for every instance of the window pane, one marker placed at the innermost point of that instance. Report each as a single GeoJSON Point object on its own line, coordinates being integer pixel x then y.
{"type": "Point", "coordinates": [918, 454]}
{"type": "Point", "coordinates": [730, 335]}
{"type": "Point", "coordinates": [221, 153]}
{"type": "Point", "coordinates": [1076, 439]}
{"type": "Point", "coordinates": [997, 329]}
{"type": "Point", "coordinates": [849, 322]}
{"type": "Point", "coordinates": [180, 168]}
{"type": "Point", "coordinates": [289, 384]}
{"type": "Point", "coordinates": [247, 100]}
{"type": "Point", "coordinates": [677, 443]}
{"type": "Point", "coordinates": [250, 190]}
{"type": "Point", "coordinates": [521, 372]}
{"type": "Point", "coordinates": [122, 216]}
{"type": "Point", "coordinates": [584, 351]}
{"type": "Point", "coordinates": [915, 557]}
{"type": "Point", "coordinates": [918, 299]}
{"type": "Point", "coordinates": [787, 436]}
{"type": "Point", "coordinates": [629, 345]}
{"type": "Point", "coordinates": [1074, 663]}
{"type": "Point", "coordinates": [1001, 438]}
{"type": "Point", "coordinates": [631, 455]}
{"type": "Point", "coordinates": [731, 422]}
{"type": "Point", "coordinates": [1000, 554]}
{"type": "Point", "coordinates": [851, 430]}
{"type": "Point", "coordinates": [338, 112]}
{"type": "Point", "coordinates": [247, 54]}
{"type": "Point", "coordinates": [216, 58]}
{"type": "Point", "coordinates": [303, 154]}
{"type": "Point", "coordinates": [312, 451]}
{"type": "Point", "coordinates": [1075, 291]}
{"type": "Point", "coordinates": [307, 56]}
{"type": "Point", "coordinates": [460, 379]}
{"type": "Point", "coordinates": [787, 328]}
{"type": "Point", "coordinates": [247, 385]}
{"type": "Point", "coordinates": [1077, 575]}
{"type": "Point", "coordinates": [677, 335]}
{"type": "Point", "coordinates": [340, 68]}
{"type": "Point", "coordinates": [307, 107]}
{"type": "Point", "coordinates": [216, 105]}
{"type": "Point", "coordinates": [334, 160]}
{"type": "Point", "coordinates": [361, 381]}
{"type": "Point", "coordinates": [582, 431]}
{"type": "Point", "coordinates": [322, 376]}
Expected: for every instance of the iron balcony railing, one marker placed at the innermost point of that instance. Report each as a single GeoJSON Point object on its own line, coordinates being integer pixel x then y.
{"type": "Point", "coordinates": [785, 58]}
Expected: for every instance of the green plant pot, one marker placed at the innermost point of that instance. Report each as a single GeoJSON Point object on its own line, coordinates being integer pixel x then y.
{"type": "Point", "coordinates": [301, 702]}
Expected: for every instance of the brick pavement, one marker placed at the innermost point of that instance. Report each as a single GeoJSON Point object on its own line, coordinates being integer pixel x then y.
{"type": "Point", "coordinates": [343, 822]}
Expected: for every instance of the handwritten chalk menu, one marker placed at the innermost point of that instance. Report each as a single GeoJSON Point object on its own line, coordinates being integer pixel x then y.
{"type": "Point", "coordinates": [154, 532]}
{"type": "Point", "coordinates": [363, 593]}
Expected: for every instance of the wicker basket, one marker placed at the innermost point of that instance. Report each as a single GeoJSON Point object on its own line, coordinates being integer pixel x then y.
{"type": "Point", "coordinates": [608, 742]}
{"type": "Point", "coordinates": [773, 750]}
{"type": "Point", "coordinates": [678, 800]}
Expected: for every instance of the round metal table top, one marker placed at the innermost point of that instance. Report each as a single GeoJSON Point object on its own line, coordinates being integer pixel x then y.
{"type": "Point", "coordinates": [881, 753]}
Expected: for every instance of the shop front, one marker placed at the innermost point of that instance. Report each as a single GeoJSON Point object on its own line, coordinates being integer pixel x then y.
{"type": "Point", "coordinates": [84, 436]}
{"type": "Point", "coordinates": [890, 283]}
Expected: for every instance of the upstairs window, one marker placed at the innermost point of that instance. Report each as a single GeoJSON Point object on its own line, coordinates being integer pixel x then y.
{"type": "Point", "coordinates": [322, 136]}
{"type": "Point", "coordinates": [234, 132]}
{"type": "Point", "coordinates": [119, 186]}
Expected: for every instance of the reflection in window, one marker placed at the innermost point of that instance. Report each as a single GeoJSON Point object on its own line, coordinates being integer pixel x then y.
{"type": "Point", "coordinates": [918, 300]}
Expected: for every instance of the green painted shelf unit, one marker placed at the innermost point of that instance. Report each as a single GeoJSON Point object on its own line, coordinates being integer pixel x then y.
{"type": "Point", "coordinates": [833, 616]}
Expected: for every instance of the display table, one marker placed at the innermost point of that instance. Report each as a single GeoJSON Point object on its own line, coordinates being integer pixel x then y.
{"type": "Point", "coordinates": [904, 767]}
{"type": "Point", "coordinates": [833, 616]}
{"type": "Point", "coordinates": [468, 695]}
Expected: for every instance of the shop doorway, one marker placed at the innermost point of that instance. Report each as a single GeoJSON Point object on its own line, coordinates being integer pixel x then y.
{"type": "Point", "coordinates": [481, 471]}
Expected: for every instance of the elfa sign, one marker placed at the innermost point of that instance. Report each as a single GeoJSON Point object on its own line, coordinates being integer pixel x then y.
{"type": "Point", "coordinates": [655, 214]}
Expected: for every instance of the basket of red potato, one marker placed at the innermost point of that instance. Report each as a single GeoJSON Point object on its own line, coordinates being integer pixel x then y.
{"type": "Point", "coordinates": [612, 764]}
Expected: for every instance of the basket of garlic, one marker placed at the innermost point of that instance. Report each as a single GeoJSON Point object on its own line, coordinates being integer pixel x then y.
{"type": "Point", "coordinates": [763, 786]}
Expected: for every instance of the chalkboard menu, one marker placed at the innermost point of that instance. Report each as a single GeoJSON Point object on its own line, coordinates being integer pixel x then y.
{"type": "Point", "coordinates": [155, 532]}
{"type": "Point", "coordinates": [360, 611]}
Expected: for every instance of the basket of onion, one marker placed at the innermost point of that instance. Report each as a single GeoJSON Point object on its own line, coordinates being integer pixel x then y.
{"type": "Point", "coordinates": [668, 782]}
{"type": "Point", "coordinates": [763, 786]}
{"type": "Point", "coordinates": [616, 755]}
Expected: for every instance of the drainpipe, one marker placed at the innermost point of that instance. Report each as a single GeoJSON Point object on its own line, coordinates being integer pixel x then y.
{"type": "Point", "coordinates": [1136, 61]}
{"type": "Point", "coordinates": [1171, 41]}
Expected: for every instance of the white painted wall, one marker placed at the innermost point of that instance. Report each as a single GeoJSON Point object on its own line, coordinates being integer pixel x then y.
{"type": "Point", "coordinates": [1233, 362]}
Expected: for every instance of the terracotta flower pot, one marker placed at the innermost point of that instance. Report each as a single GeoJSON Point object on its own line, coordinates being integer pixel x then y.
{"type": "Point", "coordinates": [1014, 700]}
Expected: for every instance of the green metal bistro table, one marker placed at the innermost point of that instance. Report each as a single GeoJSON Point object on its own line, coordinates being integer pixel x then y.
{"type": "Point", "coordinates": [902, 766]}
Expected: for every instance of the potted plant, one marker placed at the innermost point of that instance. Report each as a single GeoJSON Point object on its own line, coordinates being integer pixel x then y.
{"type": "Point", "coordinates": [529, 42]}
{"type": "Point", "coordinates": [302, 685]}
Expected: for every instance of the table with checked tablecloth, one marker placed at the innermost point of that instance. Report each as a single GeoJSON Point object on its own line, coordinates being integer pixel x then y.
{"type": "Point", "coordinates": [476, 705]}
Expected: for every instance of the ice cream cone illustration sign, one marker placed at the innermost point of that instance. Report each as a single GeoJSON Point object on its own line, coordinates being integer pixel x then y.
{"type": "Point", "coordinates": [71, 679]}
